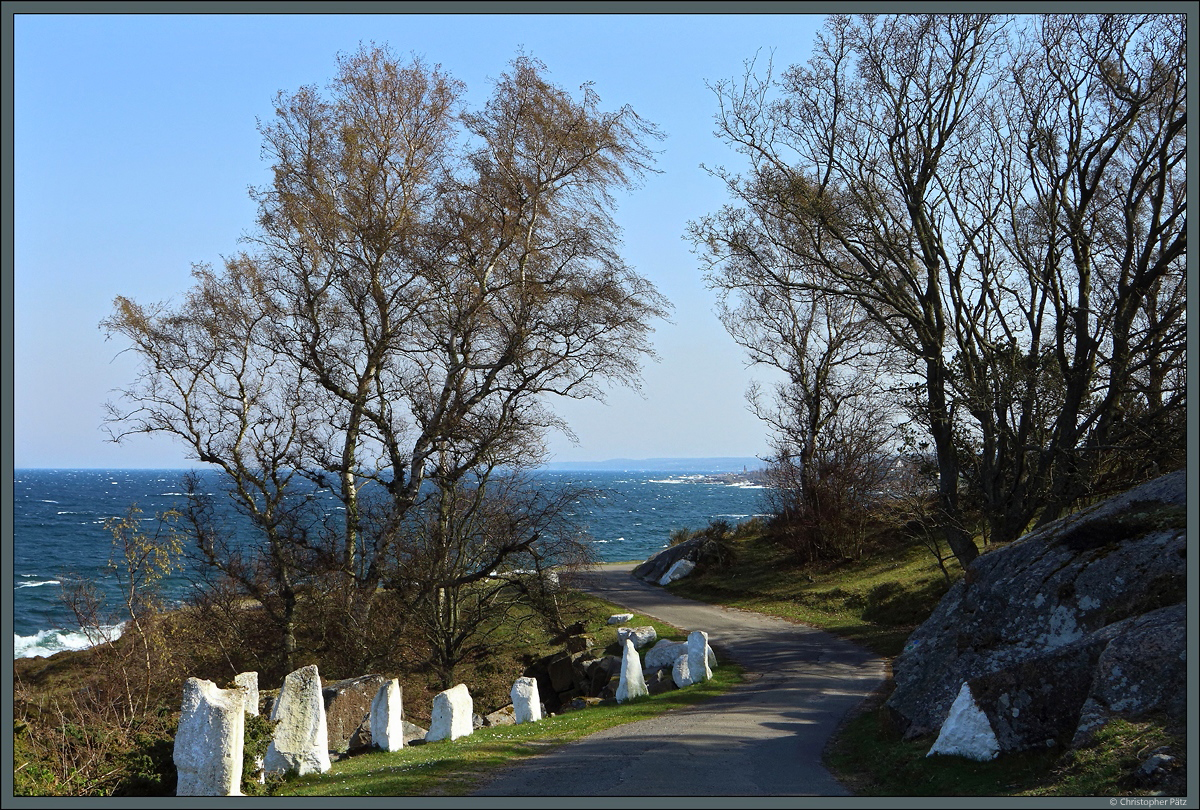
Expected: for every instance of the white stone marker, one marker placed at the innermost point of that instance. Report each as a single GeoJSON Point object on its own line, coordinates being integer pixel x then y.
{"type": "Point", "coordinates": [698, 669]}
{"type": "Point", "coordinates": [966, 731]}
{"type": "Point", "coordinates": [632, 683]}
{"type": "Point", "coordinates": [527, 707]}
{"type": "Point", "coordinates": [248, 683]}
{"type": "Point", "coordinates": [387, 717]}
{"type": "Point", "coordinates": [619, 618]}
{"type": "Point", "coordinates": [452, 712]}
{"type": "Point", "coordinates": [208, 744]}
{"type": "Point", "coordinates": [301, 740]}
{"type": "Point", "coordinates": [680, 672]}
{"type": "Point", "coordinates": [679, 570]}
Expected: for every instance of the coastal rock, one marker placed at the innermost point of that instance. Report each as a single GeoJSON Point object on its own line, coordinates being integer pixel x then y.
{"type": "Point", "coordinates": [1073, 624]}
{"type": "Point", "coordinates": [209, 741]}
{"type": "Point", "coordinates": [387, 721]}
{"type": "Point", "coordinates": [632, 683]}
{"type": "Point", "coordinates": [347, 708]}
{"type": "Point", "coordinates": [655, 566]}
{"type": "Point", "coordinates": [452, 712]}
{"type": "Point", "coordinates": [641, 636]}
{"type": "Point", "coordinates": [679, 570]}
{"type": "Point", "coordinates": [301, 740]}
{"type": "Point", "coordinates": [526, 701]}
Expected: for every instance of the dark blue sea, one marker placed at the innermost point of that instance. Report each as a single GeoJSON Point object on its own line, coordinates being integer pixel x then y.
{"type": "Point", "coordinates": [59, 534]}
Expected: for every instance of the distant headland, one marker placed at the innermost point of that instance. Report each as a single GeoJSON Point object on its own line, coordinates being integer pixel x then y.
{"type": "Point", "coordinates": [690, 465]}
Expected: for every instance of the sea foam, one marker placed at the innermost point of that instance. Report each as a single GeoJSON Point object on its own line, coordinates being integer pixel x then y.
{"type": "Point", "coordinates": [49, 642]}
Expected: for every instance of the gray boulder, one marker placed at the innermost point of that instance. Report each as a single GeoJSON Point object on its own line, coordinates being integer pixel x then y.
{"type": "Point", "coordinates": [657, 565]}
{"type": "Point", "coordinates": [1062, 629]}
{"type": "Point", "coordinates": [348, 709]}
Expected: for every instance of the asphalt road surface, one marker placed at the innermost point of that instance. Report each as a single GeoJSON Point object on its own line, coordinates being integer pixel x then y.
{"type": "Point", "coordinates": [763, 738]}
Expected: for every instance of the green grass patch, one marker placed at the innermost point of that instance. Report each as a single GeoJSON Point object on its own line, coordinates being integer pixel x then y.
{"type": "Point", "coordinates": [458, 767]}
{"type": "Point", "coordinates": [876, 601]}
{"type": "Point", "coordinates": [872, 760]}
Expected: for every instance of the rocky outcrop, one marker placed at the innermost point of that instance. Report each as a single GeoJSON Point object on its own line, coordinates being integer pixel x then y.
{"type": "Point", "coordinates": [1049, 637]}
{"type": "Point", "coordinates": [658, 564]}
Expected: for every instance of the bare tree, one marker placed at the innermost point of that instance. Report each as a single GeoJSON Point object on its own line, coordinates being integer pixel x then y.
{"type": "Point", "coordinates": [1003, 197]}
{"type": "Point", "coordinates": [424, 278]}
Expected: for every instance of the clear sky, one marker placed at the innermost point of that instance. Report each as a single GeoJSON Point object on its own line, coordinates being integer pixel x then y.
{"type": "Point", "coordinates": [135, 143]}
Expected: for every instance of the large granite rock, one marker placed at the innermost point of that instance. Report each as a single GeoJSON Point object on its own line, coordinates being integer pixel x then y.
{"type": "Point", "coordinates": [659, 563]}
{"type": "Point", "coordinates": [300, 743]}
{"type": "Point", "coordinates": [347, 710]}
{"type": "Point", "coordinates": [209, 741]}
{"type": "Point", "coordinates": [1061, 630]}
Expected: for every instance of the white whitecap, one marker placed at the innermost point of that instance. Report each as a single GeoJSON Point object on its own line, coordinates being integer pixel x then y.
{"type": "Point", "coordinates": [49, 642]}
{"type": "Point", "coordinates": [36, 584]}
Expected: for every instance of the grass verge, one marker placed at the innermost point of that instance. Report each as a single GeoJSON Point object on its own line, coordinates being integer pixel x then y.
{"type": "Point", "coordinates": [457, 768]}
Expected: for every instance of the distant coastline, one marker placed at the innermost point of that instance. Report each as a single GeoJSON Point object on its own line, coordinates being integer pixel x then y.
{"type": "Point", "coordinates": [722, 464]}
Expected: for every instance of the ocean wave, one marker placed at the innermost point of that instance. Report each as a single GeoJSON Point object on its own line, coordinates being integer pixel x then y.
{"type": "Point", "coordinates": [49, 642]}
{"type": "Point", "coordinates": [35, 584]}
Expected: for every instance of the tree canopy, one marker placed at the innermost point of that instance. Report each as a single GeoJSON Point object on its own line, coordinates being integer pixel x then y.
{"type": "Point", "coordinates": [424, 277]}
{"type": "Point", "coordinates": [1002, 198]}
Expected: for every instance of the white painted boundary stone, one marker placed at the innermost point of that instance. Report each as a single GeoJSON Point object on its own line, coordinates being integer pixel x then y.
{"type": "Point", "coordinates": [387, 717]}
{"type": "Point", "coordinates": [680, 672]}
{"type": "Point", "coordinates": [248, 682]}
{"type": "Point", "coordinates": [208, 744]}
{"type": "Point", "coordinates": [966, 731]}
{"type": "Point", "coordinates": [618, 618]}
{"type": "Point", "coordinates": [301, 739]}
{"type": "Point", "coordinates": [527, 707]}
{"type": "Point", "coordinates": [632, 683]}
{"type": "Point", "coordinates": [452, 712]}
{"type": "Point", "coordinates": [679, 570]}
{"type": "Point", "coordinates": [697, 646]}
{"type": "Point", "coordinates": [641, 636]}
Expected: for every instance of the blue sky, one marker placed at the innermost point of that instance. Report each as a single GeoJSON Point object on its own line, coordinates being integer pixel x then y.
{"type": "Point", "coordinates": [135, 143]}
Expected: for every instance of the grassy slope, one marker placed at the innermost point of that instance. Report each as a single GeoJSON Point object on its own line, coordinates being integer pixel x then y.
{"type": "Point", "coordinates": [877, 602]}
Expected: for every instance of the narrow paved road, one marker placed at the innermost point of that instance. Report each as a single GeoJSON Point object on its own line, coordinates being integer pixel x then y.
{"type": "Point", "coordinates": [763, 738]}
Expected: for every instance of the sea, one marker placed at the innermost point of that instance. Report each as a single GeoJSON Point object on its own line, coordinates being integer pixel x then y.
{"type": "Point", "coordinates": [59, 533]}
